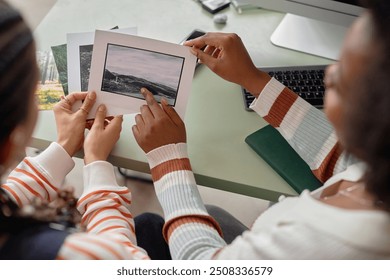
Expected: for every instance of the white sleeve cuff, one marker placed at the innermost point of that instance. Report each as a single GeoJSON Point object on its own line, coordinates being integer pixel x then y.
{"type": "Point", "coordinates": [55, 163]}
{"type": "Point", "coordinates": [166, 153]}
{"type": "Point", "coordinates": [99, 175]}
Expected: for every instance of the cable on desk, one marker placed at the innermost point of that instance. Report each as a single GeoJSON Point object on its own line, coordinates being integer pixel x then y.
{"type": "Point", "coordinates": [123, 172]}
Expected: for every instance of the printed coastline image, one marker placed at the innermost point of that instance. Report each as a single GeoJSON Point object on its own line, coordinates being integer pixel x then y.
{"type": "Point", "coordinates": [129, 69]}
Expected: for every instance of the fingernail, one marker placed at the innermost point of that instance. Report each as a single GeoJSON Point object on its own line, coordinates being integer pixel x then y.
{"type": "Point", "coordinates": [92, 95]}
{"type": "Point", "coordinates": [102, 108]}
{"type": "Point", "coordinates": [143, 90]}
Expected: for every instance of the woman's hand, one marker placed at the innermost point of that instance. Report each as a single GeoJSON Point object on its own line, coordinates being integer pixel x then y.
{"type": "Point", "coordinates": [157, 125]}
{"type": "Point", "coordinates": [226, 55]}
{"type": "Point", "coordinates": [71, 125]}
{"type": "Point", "coordinates": [102, 137]}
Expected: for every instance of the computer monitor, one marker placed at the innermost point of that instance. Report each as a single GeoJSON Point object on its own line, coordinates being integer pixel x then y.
{"type": "Point", "coordinates": [316, 27]}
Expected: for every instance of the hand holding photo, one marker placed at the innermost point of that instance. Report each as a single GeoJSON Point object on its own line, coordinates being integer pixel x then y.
{"type": "Point", "coordinates": [123, 64]}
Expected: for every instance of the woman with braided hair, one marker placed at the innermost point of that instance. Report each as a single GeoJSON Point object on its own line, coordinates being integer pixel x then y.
{"type": "Point", "coordinates": [38, 219]}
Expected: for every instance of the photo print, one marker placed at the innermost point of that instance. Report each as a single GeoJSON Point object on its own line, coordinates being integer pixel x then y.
{"type": "Point", "coordinates": [85, 65]}
{"type": "Point", "coordinates": [122, 64]}
{"type": "Point", "coordinates": [128, 69]}
{"type": "Point", "coordinates": [79, 50]}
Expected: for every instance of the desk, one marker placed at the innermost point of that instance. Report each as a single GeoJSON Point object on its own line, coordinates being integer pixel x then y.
{"type": "Point", "coordinates": [216, 121]}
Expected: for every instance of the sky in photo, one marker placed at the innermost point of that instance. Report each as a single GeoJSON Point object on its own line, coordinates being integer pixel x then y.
{"type": "Point", "coordinates": [155, 67]}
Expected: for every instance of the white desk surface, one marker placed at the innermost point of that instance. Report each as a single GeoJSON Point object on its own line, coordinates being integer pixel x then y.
{"type": "Point", "coordinates": [216, 121]}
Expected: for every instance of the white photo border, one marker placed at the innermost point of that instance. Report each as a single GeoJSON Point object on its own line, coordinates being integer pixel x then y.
{"type": "Point", "coordinates": [121, 104]}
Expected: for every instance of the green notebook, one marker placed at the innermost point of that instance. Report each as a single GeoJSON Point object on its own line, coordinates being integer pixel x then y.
{"type": "Point", "coordinates": [274, 149]}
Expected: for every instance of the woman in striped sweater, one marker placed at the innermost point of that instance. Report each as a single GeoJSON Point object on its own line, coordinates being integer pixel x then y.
{"type": "Point", "coordinates": [39, 220]}
{"type": "Point", "coordinates": [347, 218]}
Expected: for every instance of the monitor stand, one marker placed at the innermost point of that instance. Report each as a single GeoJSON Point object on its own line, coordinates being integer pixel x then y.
{"type": "Point", "coordinates": [309, 36]}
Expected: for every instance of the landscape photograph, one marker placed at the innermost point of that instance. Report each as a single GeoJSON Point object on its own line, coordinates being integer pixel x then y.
{"type": "Point", "coordinates": [60, 58]}
{"type": "Point", "coordinates": [85, 65]}
{"type": "Point", "coordinates": [129, 69]}
{"type": "Point", "coordinates": [49, 89]}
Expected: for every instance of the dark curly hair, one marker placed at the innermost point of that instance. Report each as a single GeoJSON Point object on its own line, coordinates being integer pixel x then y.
{"type": "Point", "coordinates": [368, 120]}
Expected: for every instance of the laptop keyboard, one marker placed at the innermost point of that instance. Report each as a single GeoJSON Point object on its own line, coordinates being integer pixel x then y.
{"type": "Point", "coordinates": [306, 81]}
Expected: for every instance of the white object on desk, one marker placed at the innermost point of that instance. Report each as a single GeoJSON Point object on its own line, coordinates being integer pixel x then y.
{"type": "Point", "coordinates": [220, 18]}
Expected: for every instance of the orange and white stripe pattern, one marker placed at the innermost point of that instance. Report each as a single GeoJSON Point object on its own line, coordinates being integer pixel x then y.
{"type": "Point", "coordinates": [187, 223]}
{"type": "Point", "coordinates": [304, 127]}
{"type": "Point", "coordinates": [26, 182]}
{"type": "Point", "coordinates": [104, 205]}
{"type": "Point", "coordinates": [110, 228]}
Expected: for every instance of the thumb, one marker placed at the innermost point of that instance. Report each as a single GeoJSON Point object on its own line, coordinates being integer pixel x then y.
{"type": "Point", "coordinates": [99, 117]}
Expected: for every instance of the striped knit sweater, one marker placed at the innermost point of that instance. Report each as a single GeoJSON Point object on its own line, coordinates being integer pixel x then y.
{"type": "Point", "coordinates": [296, 228]}
{"type": "Point", "coordinates": [103, 204]}
{"type": "Point", "coordinates": [305, 128]}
